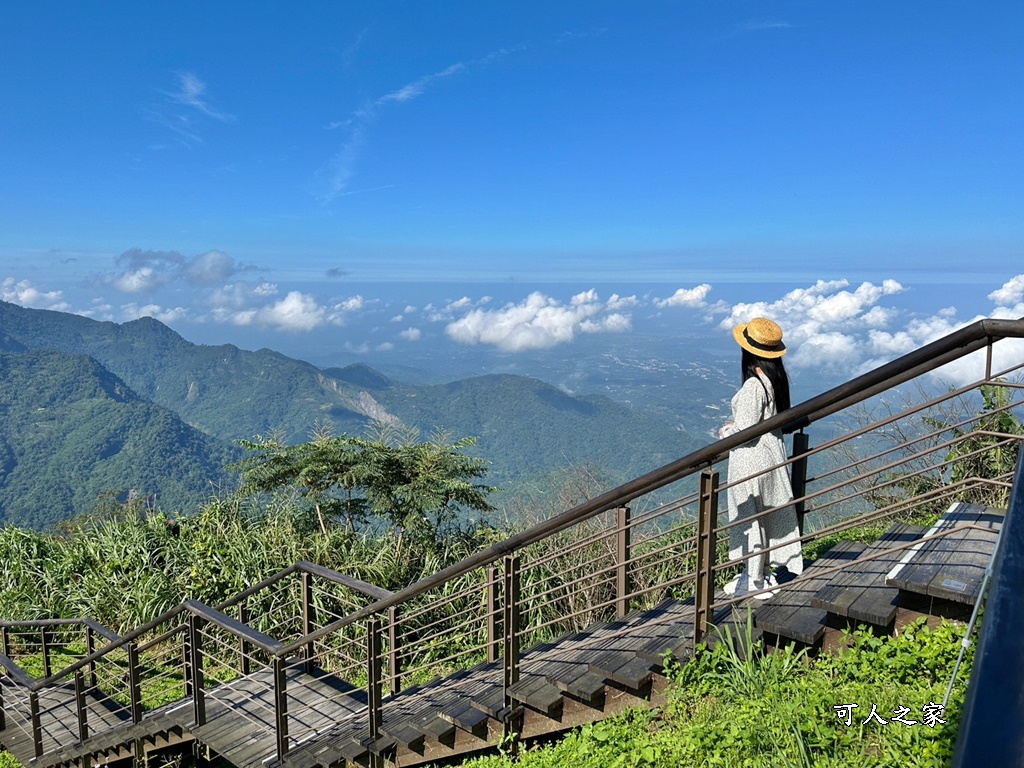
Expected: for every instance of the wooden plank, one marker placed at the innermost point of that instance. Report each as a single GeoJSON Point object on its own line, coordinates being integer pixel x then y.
{"type": "Point", "coordinates": [918, 569]}
{"type": "Point", "coordinates": [961, 576]}
{"type": "Point", "coordinates": [588, 688]}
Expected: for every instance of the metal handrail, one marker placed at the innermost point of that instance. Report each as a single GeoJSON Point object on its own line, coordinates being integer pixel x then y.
{"type": "Point", "coordinates": [95, 626]}
{"type": "Point", "coordinates": [990, 727]}
{"type": "Point", "coordinates": [961, 343]}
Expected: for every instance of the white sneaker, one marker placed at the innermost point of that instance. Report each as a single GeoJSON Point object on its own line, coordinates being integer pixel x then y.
{"type": "Point", "coordinates": [768, 583]}
{"type": "Point", "coordinates": [730, 588]}
{"type": "Point", "coordinates": [738, 586]}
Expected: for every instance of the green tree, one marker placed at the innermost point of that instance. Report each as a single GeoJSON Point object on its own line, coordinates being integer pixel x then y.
{"type": "Point", "coordinates": [411, 486]}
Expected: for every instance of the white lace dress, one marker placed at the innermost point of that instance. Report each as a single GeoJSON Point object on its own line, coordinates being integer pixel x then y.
{"type": "Point", "coordinates": [752, 489]}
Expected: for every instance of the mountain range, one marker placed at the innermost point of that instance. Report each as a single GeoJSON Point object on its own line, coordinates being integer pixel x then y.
{"type": "Point", "coordinates": [91, 408]}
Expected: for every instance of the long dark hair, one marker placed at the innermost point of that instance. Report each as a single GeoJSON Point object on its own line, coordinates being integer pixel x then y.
{"type": "Point", "coordinates": [775, 372]}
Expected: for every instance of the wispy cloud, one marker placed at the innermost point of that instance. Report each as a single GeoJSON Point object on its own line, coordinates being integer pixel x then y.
{"type": "Point", "coordinates": [341, 168]}
{"type": "Point", "coordinates": [764, 25]}
{"type": "Point", "coordinates": [186, 109]}
{"type": "Point", "coordinates": [417, 87]}
{"type": "Point", "coordinates": [191, 93]}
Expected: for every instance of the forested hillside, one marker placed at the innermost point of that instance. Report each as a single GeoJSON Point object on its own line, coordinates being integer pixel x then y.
{"type": "Point", "coordinates": [222, 390]}
{"type": "Point", "coordinates": [71, 432]}
{"type": "Point", "coordinates": [183, 406]}
{"type": "Point", "coordinates": [539, 424]}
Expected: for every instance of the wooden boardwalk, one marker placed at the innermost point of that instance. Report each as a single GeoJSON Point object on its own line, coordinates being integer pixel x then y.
{"type": "Point", "coordinates": [578, 678]}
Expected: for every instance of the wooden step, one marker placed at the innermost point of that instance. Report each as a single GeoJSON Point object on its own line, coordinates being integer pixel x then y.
{"type": "Point", "coordinates": [539, 694]}
{"type": "Point", "coordinates": [437, 728]}
{"type": "Point", "coordinates": [789, 614]}
{"type": "Point", "coordinates": [465, 716]}
{"type": "Point", "coordinates": [626, 669]}
{"type": "Point", "coordinates": [588, 687]}
{"type": "Point", "coordinates": [352, 750]}
{"type": "Point", "coordinates": [491, 701]}
{"type": "Point", "coordinates": [408, 736]}
{"type": "Point", "coordinates": [859, 593]}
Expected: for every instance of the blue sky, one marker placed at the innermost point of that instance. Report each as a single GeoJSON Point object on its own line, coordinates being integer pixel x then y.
{"type": "Point", "coordinates": [366, 176]}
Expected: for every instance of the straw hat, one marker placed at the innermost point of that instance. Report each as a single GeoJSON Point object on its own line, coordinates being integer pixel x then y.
{"type": "Point", "coordinates": [760, 337]}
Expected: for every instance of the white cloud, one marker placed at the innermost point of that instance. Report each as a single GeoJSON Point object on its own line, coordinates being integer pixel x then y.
{"type": "Point", "coordinates": [411, 334]}
{"type": "Point", "coordinates": [827, 325]}
{"type": "Point", "coordinates": [236, 297]}
{"type": "Point", "coordinates": [295, 312]}
{"type": "Point", "coordinates": [385, 346]}
{"type": "Point", "coordinates": [1012, 292]}
{"type": "Point", "coordinates": [453, 308]}
{"type": "Point", "coordinates": [186, 109]}
{"type": "Point", "coordinates": [149, 270]}
{"type": "Point", "coordinates": [351, 304]}
{"type": "Point", "coordinates": [537, 322]}
{"type": "Point", "coordinates": [210, 268]}
{"type": "Point", "coordinates": [22, 292]}
{"type": "Point", "coordinates": [138, 280]}
{"type": "Point", "coordinates": [398, 319]}
{"type": "Point", "coordinates": [164, 315]}
{"type": "Point", "coordinates": [621, 302]}
{"type": "Point", "coordinates": [418, 86]}
{"type": "Point", "coordinates": [685, 297]}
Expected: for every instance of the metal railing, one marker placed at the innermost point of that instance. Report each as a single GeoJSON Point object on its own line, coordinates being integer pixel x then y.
{"type": "Point", "coordinates": [610, 555]}
{"type": "Point", "coordinates": [990, 731]}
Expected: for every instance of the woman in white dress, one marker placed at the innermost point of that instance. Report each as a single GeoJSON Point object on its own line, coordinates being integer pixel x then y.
{"type": "Point", "coordinates": [752, 489]}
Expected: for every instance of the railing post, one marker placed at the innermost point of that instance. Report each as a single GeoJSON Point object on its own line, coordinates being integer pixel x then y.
{"type": "Point", "coordinates": [308, 617]}
{"type": "Point", "coordinates": [493, 644]}
{"type": "Point", "coordinates": [135, 682]}
{"type": "Point", "coordinates": [281, 707]}
{"type": "Point", "coordinates": [6, 640]}
{"type": "Point", "coordinates": [83, 723]}
{"type": "Point", "coordinates": [374, 683]}
{"type": "Point", "coordinates": [623, 547]}
{"type": "Point", "coordinates": [90, 648]}
{"type": "Point", "coordinates": [3, 716]}
{"type": "Point", "coordinates": [46, 652]}
{"type": "Point", "coordinates": [801, 444]}
{"type": "Point", "coordinates": [186, 662]}
{"type": "Point", "coordinates": [394, 661]}
{"type": "Point", "coordinates": [243, 644]}
{"type": "Point", "coordinates": [196, 665]}
{"type": "Point", "coordinates": [707, 515]}
{"type": "Point", "coordinates": [37, 726]}
{"type": "Point", "coordinates": [510, 643]}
